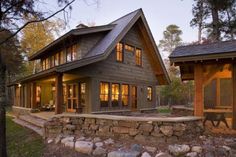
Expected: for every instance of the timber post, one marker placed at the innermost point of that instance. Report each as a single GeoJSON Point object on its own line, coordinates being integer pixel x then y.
{"type": "Point", "coordinates": [59, 93]}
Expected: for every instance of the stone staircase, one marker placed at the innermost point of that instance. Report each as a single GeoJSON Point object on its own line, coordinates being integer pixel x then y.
{"type": "Point", "coordinates": [31, 122]}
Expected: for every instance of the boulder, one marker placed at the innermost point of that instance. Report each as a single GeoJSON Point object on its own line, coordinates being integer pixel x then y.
{"type": "Point", "coordinates": [99, 144]}
{"type": "Point", "coordinates": [197, 149]}
{"type": "Point", "coordinates": [136, 147]}
{"type": "Point", "coordinates": [146, 127]}
{"type": "Point", "coordinates": [150, 149]}
{"type": "Point", "coordinates": [140, 138]}
{"type": "Point", "coordinates": [70, 144]}
{"type": "Point", "coordinates": [133, 132]}
{"type": "Point", "coordinates": [84, 147]}
{"type": "Point", "coordinates": [109, 141]}
{"type": "Point", "coordinates": [70, 127]}
{"type": "Point", "coordinates": [178, 150]}
{"type": "Point", "coordinates": [167, 130]}
{"type": "Point", "coordinates": [101, 152]}
{"type": "Point", "coordinates": [97, 139]}
{"type": "Point", "coordinates": [146, 154]}
{"type": "Point", "coordinates": [67, 139]}
{"type": "Point", "coordinates": [123, 154]}
{"type": "Point", "coordinates": [191, 154]}
{"type": "Point", "coordinates": [161, 154]}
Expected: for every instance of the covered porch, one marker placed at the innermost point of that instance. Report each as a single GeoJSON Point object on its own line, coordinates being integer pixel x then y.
{"type": "Point", "coordinates": [212, 66]}
{"type": "Point", "coordinates": [55, 94]}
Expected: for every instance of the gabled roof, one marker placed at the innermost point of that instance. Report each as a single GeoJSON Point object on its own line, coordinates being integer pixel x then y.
{"type": "Point", "coordinates": [217, 50]}
{"type": "Point", "coordinates": [117, 30]}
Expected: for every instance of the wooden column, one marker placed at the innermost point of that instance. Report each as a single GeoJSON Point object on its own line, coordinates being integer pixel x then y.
{"type": "Point", "coordinates": [33, 96]}
{"type": "Point", "coordinates": [234, 95]}
{"type": "Point", "coordinates": [218, 92]}
{"type": "Point", "coordinates": [59, 93]}
{"type": "Point", "coordinates": [198, 100]}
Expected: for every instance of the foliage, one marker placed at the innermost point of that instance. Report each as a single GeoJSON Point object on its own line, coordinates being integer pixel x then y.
{"type": "Point", "coordinates": [22, 141]}
{"type": "Point", "coordinates": [216, 17]}
{"type": "Point", "coordinates": [35, 36]}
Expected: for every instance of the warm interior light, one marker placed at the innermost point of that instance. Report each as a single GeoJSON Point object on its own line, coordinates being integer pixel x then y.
{"type": "Point", "coordinates": [19, 85]}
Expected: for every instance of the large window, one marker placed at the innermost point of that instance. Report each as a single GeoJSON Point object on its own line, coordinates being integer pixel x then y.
{"type": "Point", "coordinates": [115, 94]}
{"type": "Point", "coordinates": [138, 57]}
{"type": "Point", "coordinates": [149, 93]}
{"type": "Point", "coordinates": [104, 94]}
{"type": "Point", "coordinates": [119, 52]}
{"type": "Point", "coordinates": [82, 93]}
{"type": "Point", "coordinates": [125, 94]}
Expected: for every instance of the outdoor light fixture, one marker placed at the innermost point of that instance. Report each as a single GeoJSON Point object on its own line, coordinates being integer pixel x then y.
{"type": "Point", "coordinates": [19, 85]}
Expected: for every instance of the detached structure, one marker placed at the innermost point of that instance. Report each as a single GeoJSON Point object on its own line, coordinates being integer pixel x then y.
{"type": "Point", "coordinates": [213, 69]}
{"type": "Point", "coordinates": [109, 68]}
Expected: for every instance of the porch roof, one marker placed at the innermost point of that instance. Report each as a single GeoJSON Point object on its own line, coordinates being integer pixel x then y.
{"type": "Point", "coordinates": [201, 52]}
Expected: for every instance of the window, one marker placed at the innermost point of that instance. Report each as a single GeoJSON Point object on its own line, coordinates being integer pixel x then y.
{"type": "Point", "coordinates": [47, 63]}
{"type": "Point", "coordinates": [149, 93]}
{"type": "Point", "coordinates": [68, 54]}
{"type": "Point", "coordinates": [52, 58]}
{"type": "Point", "coordinates": [104, 94]}
{"type": "Point", "coordinates": [56, 59]}
{"type": "Point", "coordinates": [72, 97]}
{"type": "Point", "coordinates": [43, 64]}
{"type": "Point", "coordinates": [119, 52]}
{"type": "Point", "coordinates": [73, 51]}
{"type": "Point", "coordinates": [82, 93]}
{"type": "Point", "coordinates": [138, 57]}
{"type": "Point", "coordinates": [115, 94]}
{"type": "Point", "coordinates": [125, 94]}
{"type": "Point", "coordinates": [129, 48]}
{"type": "Point", "coordinates": [62, 57]}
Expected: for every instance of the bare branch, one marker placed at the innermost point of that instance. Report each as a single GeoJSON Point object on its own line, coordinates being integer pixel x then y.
{"type": "Point", "coordinates": [35, 21]}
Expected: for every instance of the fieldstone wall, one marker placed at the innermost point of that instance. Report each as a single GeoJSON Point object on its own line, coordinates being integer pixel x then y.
{"type": "Point", "coordinates": [141, 129]}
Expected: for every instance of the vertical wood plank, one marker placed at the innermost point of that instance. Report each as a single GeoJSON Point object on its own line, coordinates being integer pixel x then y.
{"type": "Point", "coordinates": [234, 95]}
{"type": "Point", "coordinates": [198, 101]}
{"type": "Point", "coordinates": [59, 93]}
{"type": "Point", "coordinates": [218, 92]}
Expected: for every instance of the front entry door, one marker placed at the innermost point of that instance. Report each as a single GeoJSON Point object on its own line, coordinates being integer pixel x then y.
{"type": "Point", "coordinates": [134, 98]}
{"type": "Point", "coordinates": [72, 98]}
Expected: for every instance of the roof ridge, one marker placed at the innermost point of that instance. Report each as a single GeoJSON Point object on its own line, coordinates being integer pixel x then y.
{"type": "Point", "coordinates": [202, 44]}
{"type": "Point", "coordinates": [137, 10]}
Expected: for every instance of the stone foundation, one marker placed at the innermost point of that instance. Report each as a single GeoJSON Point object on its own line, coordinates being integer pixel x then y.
{"type": "Point", "coordinates": [141, 129]}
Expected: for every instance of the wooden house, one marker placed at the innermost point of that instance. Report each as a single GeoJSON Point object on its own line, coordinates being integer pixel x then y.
{"type": "Point", "coordinates": [109, 68]}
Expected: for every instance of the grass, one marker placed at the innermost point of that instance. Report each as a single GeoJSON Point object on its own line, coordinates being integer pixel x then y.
{"type": "Point", "coordinates": [164, 110]}
{"type": "Point", "coordinates": [22, 142]}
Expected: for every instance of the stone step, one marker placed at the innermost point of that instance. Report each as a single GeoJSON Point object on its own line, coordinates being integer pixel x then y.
{"type": "Point", "coordinates": [38, 130]}
{"type": "Point", "coordinates": [33, 120]}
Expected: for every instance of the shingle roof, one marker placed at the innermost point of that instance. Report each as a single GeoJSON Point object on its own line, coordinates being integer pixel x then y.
{"type": "Point", "coordinates": [117, 30]}
{"type": "Point", "coordinates": [212, 51]}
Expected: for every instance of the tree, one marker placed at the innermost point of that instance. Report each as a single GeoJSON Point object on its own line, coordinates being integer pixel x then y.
{"type": "Point", "coordinates": [37, 35]}
{"type": "Point", "coordinates": [216, 16]}
{"type": "Point", "coordinates": [12, 13]}
{"type": "Point", "coordinates": [171, 38]}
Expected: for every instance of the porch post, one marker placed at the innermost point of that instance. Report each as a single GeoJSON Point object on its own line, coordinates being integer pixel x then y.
{"type": "Point", "coordinates": [198, 100]}
{"type": "Point", "coordinates": [234, 95]}
{"type": "Point", "coordinates": [33, 96]}
{"type": "Point", "coordinates": [59, 93]}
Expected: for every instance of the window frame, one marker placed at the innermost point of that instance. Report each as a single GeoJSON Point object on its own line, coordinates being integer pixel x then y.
{"type": "Point", "coordinates": [129, 46]}
{"type": "Point", "coordinates": [115, 95]}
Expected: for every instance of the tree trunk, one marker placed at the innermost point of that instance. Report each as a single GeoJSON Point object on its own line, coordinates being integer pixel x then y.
{"type": "Point", "coordinates": [215, 23]}
{"type": "Point", "coordinates": [3, 152]}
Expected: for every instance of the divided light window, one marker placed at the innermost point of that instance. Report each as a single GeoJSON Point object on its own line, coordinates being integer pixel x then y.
{"type": "Point", "coordinates": [104, 94]}
{"type": "Point", "coordinates": [129, 48]}
{"type": "Point", "coordinates": [119, 52]}
{"type": "Point", "coordinates": [82, 93]}
{"type": "Point", "coordinates": [125, 94]}
{"type": "Point", "coordinates": [138, 57]}
{"type": "Point", "coordinates": [115, 94]}
{"type": "Point", "coordinates": [149, 93]}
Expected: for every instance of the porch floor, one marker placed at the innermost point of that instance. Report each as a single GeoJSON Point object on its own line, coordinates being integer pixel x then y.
{"type": "Point", "coordinates": [43, 115]}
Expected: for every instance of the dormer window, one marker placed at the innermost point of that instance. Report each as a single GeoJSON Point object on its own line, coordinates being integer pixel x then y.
{"type": "Point", "coordinates": [119, 52]}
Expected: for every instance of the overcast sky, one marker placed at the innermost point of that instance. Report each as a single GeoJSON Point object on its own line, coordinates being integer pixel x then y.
{"type": "Point", "coordinates": [159, 14]}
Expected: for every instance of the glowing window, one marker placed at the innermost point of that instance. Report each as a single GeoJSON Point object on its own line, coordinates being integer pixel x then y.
{"type": "Point", "coordinates": [138, 57]}
{"type": "Point", "coordinates": [125, 94]}
{"type": "Point", "coordinates": [149, 93]}
{"type": "Point", "coordinates": [115, 94]}
{"type": "Point", "coordinates": [119, 52]}
{"type": "Point", "coordinates": [129, 48]}
{"type": "Point", "coordinates": [56, 59]}
{"type": "Point", "coordinates": [104, 94]}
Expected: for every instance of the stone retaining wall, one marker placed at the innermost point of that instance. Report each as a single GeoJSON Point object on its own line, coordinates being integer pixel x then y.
{"type": "Point", "coordinates": [141, 129]}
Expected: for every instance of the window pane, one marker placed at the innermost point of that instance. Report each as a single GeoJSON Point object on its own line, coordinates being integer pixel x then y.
{"type": "Point", "coordinates": [52, 61]}
{"type": "Point", "coordinates": [119, 52]}
{"type": "Point", "coordinates": [115, 94]}
{"type": "Point", "coordinates": [138, 57]}
{"type": "Point", "coordinates": [57, 59]}
{"type": "Point", "coordinates": [104, 94]}
{"type": "Point", "coordinates": [149, 93]}
{"type": "Point", "coordinates": [74, 52]}
{"type": "Point", "coordinates": [68, 54]}
{"type": "Point", "coordinates": [47, 64]}
{"type": "Point", "coordinates": [129, 48]}
{"type": "Point", "coordinates": [125, 95]}
{"type": "Point", "coordinates": [62, 57]}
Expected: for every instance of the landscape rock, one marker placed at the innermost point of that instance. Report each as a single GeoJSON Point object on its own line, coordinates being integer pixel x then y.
{"type": "Point", "coordinates": [140, 138]}
{"type": "Point", "coordinates": [109, 141]}
{"type": "Point", "coordinates": [101, 152]}
{"type": "Point", "coordinates": [150, 149]}
{"type": "Point", "coordinates": [197, 149]}
{"type": "Point", "coordinates": [167, 130]}
{"type": "Point", "coordinates": [67, 139]}
{"type": "Point", "coordinates": [70, 144]}
{"type": "Point", "coordinates": [84, 147]}
{"type": "Point", "coordinates": [136, 147]}
{"type": "Point", "coordinates": [99, 144]}
{"type": "Point", "coordinates": [161, 154]}
{"type": "Point", "coordinates": [97, 139]}
{"type": "Point", "coordinates": [178, 150]}
{"type": "Point", "coordinates": [50, 141]}
{"type": "Point", "coordinates": [123, 154]}
{"type": "Point", "coordinates": [82, 138]}
{"type": "Point", "coordinates": [70, 127]}
{"type": "Point", "coordinates": [146, 154]}
{"type": "Point", "coordinates": [146, 127]}
{"type": "Point", "coordinates": [191, 154]}
{"type": "Point", "coordinates": [58, 139]}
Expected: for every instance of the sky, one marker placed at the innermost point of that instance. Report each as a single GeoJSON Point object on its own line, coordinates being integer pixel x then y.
{"type": "Point", "coordinates": [159, 14]}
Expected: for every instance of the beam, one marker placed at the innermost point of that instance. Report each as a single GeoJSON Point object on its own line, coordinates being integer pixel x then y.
{"type": "Point", "coordinates": [59, 93]}
{"type": "Point", "coordinates": [234, 95]}
{"type": "Point", "coordinates": [198, 100]}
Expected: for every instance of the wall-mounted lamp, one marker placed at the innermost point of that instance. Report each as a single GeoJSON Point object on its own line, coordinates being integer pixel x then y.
{"type": "Point", "coordinates": [19, 85]}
